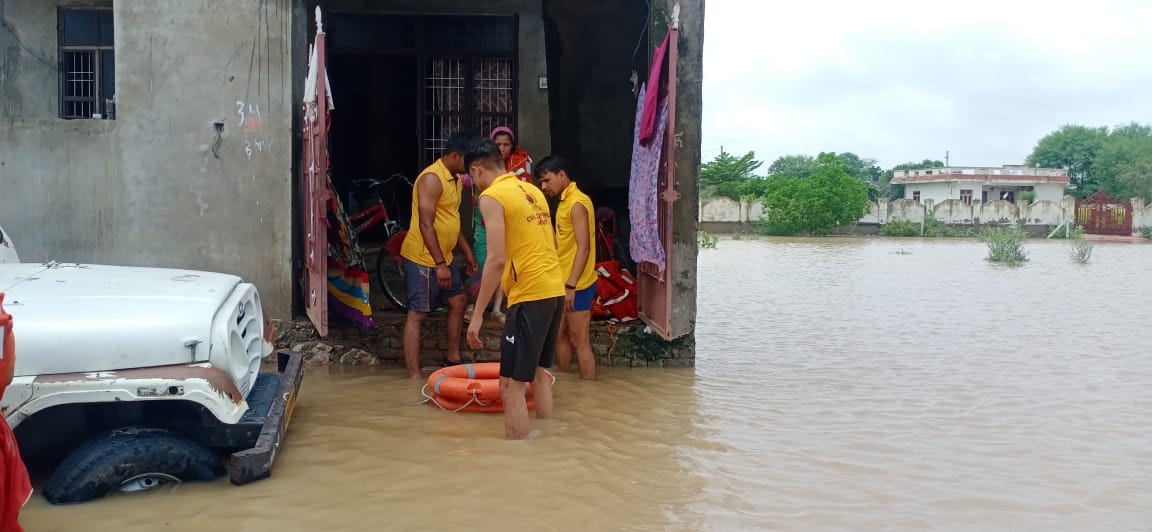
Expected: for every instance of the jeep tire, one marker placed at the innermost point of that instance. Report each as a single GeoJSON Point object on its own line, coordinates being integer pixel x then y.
{"type": "Point", "coordinates": [104, 463]}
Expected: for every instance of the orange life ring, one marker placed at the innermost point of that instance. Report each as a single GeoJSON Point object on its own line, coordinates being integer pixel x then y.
{"type": "Point", "coordinates": [464, 381]}
{"type": "Point", "coordinates": [473, 387]}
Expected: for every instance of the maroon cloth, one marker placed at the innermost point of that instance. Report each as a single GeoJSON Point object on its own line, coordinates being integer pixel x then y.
{"type": "Point", "coordinates": [15, 489]}
{"type": "Point", "coordinates": [651, 110]}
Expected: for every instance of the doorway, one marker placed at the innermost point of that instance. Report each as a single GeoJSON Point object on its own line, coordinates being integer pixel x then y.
{"type": "Point", "coordinates": [403, 84]}
{"type": "Point", "coordinates": [372, 135]}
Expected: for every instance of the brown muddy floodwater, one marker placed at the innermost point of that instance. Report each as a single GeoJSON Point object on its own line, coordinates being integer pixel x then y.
{"type": "Point", "coordinates": [841, 384]}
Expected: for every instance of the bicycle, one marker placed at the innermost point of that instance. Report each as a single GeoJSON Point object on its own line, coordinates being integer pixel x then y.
{"type": "Point", "coordinates": [389, 268]}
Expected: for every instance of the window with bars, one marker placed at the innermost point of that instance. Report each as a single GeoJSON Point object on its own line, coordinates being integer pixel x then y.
{"type": "Point", "coordinates": [966, 196]}
{"type": "Point", "coordinates": [466, 94]}
{"type": "Point", "coordinates": [469, 78]}
{"type": "Point", "coordinates": [87, 62]}
{"type": "Point", "coordinates": [467, 68]}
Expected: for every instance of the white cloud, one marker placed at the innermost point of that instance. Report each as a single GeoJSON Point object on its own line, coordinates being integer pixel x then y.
{"type": "Point", "coordinates": [904, 80]}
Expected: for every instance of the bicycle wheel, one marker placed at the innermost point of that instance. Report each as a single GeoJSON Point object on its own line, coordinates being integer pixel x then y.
{"type": "Point", "coordinates": [390, 275]}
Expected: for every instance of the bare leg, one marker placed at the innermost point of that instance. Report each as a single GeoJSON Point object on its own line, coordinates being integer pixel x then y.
{"type": "Point", "coordinates": [563, 347]}
{"type": "Point", "coordinates": [542, 394]}
{"type": "Point", "coordinates": [412, 342]}
{"type": "Point", "coordinates": [496, 304]}
{"type": "Point", "coordinates": [577, 325]}
{"type": "Point", "coordinates": [515, 408]}
{"type": "Point", "coordinates": [455, 322]}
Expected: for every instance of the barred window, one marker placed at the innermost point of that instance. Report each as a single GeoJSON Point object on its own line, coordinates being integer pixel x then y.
{"type": "Point", "coordinates": [87, 62]}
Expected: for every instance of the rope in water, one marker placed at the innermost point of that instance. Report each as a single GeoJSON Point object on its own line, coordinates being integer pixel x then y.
{"type": "Point", "coordinates": [429, 398]}
{"type": "Point", "coordinates": [474, 400]}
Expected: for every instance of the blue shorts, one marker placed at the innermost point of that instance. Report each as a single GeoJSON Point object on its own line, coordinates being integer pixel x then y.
{"type": "Point", "coordinates": [424, 292]}
{"type": "Point", "coordinates": [584, 298]}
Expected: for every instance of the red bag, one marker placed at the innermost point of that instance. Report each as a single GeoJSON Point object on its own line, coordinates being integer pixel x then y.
{"type": "Point", "coordinates": [619, 291]}
{"type": "Point", "coordinates": [615, 287]}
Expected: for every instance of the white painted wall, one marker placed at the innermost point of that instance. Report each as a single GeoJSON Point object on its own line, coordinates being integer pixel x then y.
{"type": "Point", "coordinates": [1053, 192]}
{"type": "Point", "coordinates": [936, 192]}
{"type": "Point", "coordinates": [719, 209]}
{"type": "Point", "coordinates": [1041, 212]}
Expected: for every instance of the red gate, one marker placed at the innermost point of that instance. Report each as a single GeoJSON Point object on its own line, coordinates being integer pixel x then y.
{"type": "Point", "coordinates": [1102, 214]}
{"type": "Point", "coordinates": [315, 192]}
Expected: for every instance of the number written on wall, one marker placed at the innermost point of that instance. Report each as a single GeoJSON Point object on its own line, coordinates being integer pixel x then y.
{"type": "Point", "coordinates": [252, 125]}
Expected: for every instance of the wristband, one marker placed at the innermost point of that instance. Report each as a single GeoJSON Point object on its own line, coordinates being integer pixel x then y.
{"type": "Point", "coordinates": [570, 287]}
{"type": "Point", "coordinates": [441, 261]}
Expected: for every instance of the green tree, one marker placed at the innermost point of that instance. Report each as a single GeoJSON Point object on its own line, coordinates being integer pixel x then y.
{"type": "Point", "coordinates": [1135, 180]}
{"type": "Point", "coordinates": [860, 168]}
{"type": "Point", "coordinates": [1073, 147]}
{"type": "Point", "coordinates": [827, 198]}
{"type": "Point", "coordinates": [730, 176]}
{"type": "Point", "coordinates": [790, 166]}
{"type": "Point", "coordinates": [806, 165]}
{"type": "Point", "coordinates": [1124, 164]}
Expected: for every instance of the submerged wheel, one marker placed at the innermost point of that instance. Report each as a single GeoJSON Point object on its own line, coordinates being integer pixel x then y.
{"type": "Point", "coordinates": [130, 459]}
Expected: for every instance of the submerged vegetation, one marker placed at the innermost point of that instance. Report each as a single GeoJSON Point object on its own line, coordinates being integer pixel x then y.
{"type": "Point", "coordinates": [707, 240]}
{"type": "Point", "coordinates": [1081, 250]}
{"type": "Point", "coordinates": [931, 228]}
{"type": "Point", "coordinates": [1005, 245]}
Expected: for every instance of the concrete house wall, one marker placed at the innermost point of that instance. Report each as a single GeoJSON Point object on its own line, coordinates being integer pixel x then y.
{"type": "Point", "coordinates": [148, 188]}
{"type": "Point", "coordinates": [943, 191]}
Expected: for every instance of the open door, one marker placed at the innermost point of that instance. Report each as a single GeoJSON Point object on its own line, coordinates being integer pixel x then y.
{"type": "Point", "coordinates": [655, 288]}
{"type": "Point", "coordinates": [317, 105]}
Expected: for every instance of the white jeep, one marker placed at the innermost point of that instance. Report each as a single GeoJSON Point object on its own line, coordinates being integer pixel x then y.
{"type": "Point", "coordinates": [129, 378]}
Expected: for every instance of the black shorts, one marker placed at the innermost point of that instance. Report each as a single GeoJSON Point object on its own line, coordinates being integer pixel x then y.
{"type": "Point", "coordinates": [529, 342]}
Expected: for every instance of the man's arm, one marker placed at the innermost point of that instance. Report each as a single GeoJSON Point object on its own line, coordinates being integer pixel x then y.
{"type": "Point", "coordinates": [493, 213]}
{"type": "Point", "coordinates": [583, 243]}
{"type": "Point", "coordinates": [469, 255]}
{"type": "Point", "coordinates": [429, 189]}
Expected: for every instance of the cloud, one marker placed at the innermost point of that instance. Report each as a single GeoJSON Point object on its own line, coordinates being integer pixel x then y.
{"type": "Point", "coordinates": [902, 80]}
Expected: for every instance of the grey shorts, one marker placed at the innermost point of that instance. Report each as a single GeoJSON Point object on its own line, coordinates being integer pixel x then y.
{"type": "Point", "coordinates": [424, 292]}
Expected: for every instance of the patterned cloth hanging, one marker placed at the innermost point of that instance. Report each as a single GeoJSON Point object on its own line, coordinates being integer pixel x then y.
{"type": "Point", "coordinates": [643, 190]}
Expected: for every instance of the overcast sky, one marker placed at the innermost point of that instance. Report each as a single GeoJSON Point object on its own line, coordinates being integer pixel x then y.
{"type": "Point", "coordinates": [901, 80]}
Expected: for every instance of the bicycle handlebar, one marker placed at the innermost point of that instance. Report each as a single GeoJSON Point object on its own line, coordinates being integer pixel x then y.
{"type": "Point", "coordinates": [373, 183]}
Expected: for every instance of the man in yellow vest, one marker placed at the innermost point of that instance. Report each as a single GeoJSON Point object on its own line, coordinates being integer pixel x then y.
{"type": "Point", "coordinates": [575, 226]}
{"type": "Point", "coordinates": [432, 273]}
{"type": "Point", "coordinates": [522, 254]}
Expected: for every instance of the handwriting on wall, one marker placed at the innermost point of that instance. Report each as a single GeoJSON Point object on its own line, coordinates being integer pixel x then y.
{"type": "Point", "coordinates": [251, 124]}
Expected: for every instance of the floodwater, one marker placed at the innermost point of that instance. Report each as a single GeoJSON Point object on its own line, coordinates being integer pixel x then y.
{"type": "Point", "coordinates": [841, 384]}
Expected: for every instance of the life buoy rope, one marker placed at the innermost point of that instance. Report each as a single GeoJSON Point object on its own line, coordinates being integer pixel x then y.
{"type": "Point", "coordinates": [430, 396]}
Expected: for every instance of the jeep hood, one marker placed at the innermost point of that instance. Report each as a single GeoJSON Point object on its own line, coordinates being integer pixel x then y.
{"type": "Point", "coordinates": [72, 318]}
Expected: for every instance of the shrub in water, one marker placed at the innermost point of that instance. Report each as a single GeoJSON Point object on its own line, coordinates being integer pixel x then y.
{"type": "Point", "coordinates": [1005, 245]}
{"type": "Point", "coordinates": [900, 228]}
{"type": "Point", "coordinates": [707, 240]}
{"type": "Point", "coordinates": [1080, 251]}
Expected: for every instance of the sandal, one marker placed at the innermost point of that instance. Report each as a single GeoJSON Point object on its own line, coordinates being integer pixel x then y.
{"type": "Point", "coordinates": [450, 363]}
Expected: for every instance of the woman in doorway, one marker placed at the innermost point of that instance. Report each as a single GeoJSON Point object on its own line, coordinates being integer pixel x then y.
{"type": "Point", "coordinates": [518, 163]}
{"type": "Point", "coordinates": [516, 160]}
